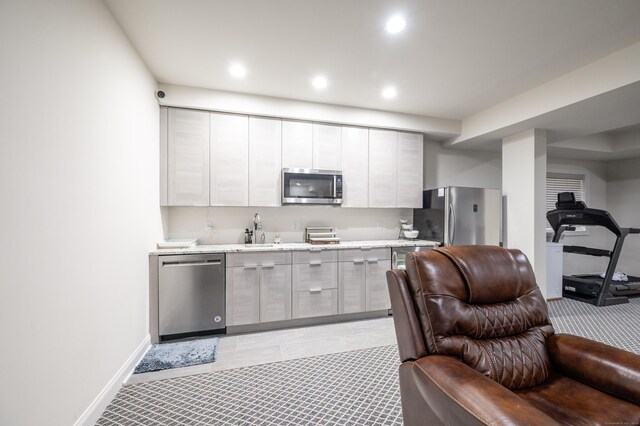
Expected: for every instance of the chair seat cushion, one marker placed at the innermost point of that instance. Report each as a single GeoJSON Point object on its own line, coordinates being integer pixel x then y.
{"type": "Point", "coordinates": [573, 403]}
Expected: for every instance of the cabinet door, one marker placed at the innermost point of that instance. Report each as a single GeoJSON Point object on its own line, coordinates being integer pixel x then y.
{"type": "Point", "coordinates": [377, 292]}
{"type": "Point", "coordinates": [410, 148]}
{"type": "Point", "coordinates": [265, 159]}
{"type": "Point", "coordinates": [351, 286]}
{"type": "Point", "coordinates": [275, 293]}
{"type": "Point", "coordinates": [164, 159]}
{"type": "Point", "coordinates": [382, 168]}
{"type": "Point", "coordinates": [243, 296]}
{"type": "Point", "coordinates": [229, 160]}
{"type": "Point", "coordinates": [355, 167]}
{"type": "Point", "coordinates": [297, 144]}
{"type": "Point", "coordinates": [188, 157]}
{"type": "Point", "coordinates": [327, 147]}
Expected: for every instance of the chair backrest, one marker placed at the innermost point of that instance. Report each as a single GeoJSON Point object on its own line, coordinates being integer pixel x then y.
{"type": "Point", "coordinates": [481, 304]}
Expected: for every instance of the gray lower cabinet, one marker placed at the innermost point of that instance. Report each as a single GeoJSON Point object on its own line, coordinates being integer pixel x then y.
{"type": "Point", "coordinates": [258, 287]}
{"type": "Point", "coordinates": [377, 291]}
{"type": "Point", "coordinates": [353, 286]}
{"type": "Point", "coordinates": [315, 283]}
{"type": "Point", "coordinates": [275, 293]}
{"type": "Point", "coordinates": [362, 276]}
{"type": "Point", "coordinates": [243, 295]}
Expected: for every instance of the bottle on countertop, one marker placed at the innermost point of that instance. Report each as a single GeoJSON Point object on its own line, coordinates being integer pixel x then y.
{"type": "Point", "coordinates": [247, 236]}
{"type": "Point", "coordinates": [276, 239]}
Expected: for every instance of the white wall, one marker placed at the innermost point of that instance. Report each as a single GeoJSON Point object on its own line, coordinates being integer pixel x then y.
{"type": "Point", "coordinates": [457, 167]}
{"type": "Point", "coordinates": [78, 178]}
{"type": "Point", "coordinates": [623, 201]}
{"type": "Point", "coordinates": [229, 223]}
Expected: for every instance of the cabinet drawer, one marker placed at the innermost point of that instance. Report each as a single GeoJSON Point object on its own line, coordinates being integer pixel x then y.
{"type": "Point", "coordinates": [315, 255]}
{"type": "Point", "coordinates": [349, 255]}
{"type": "Point", "coordinates": [259, 259]}
{"type": "Point", "coordinates": [316, 276]}
{"type": "Point", "coordinates": [315, 303]}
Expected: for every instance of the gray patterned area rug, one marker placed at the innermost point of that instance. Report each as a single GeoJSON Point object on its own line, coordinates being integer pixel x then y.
{"type": "Point", "coordinates": [348, 388]}
{"type": "Point", "coordinates": [614, 325]}
{"type": "Point", "coordinates": [178, 354]}
{"type": "Point", "coordinates": [358, 388]}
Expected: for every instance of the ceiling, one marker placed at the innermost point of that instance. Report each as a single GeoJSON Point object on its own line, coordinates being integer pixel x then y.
{"type": "Point", "coordinates": [455, 57]}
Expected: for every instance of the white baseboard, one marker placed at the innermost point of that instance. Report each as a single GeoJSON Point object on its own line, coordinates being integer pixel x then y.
{"type": "Point", "coordinates": [94, 411]}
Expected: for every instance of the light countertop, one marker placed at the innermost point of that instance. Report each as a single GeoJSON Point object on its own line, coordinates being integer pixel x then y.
{"type": "Point", "coordinates": [235, 248]}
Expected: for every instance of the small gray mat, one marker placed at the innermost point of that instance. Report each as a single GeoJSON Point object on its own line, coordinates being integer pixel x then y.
{"type": "Point", "coordinates": [179, 354]}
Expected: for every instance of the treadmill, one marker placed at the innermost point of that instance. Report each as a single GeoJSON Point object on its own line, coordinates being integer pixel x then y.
{"type": "Point", "coordinates": [592, 288]}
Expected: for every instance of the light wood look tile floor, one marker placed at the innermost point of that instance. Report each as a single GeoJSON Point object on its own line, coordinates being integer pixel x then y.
{"type": "Point", "coordinates": [279, 345]}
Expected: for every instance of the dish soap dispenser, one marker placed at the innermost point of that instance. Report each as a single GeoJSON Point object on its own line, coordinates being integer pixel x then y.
{"type": "Point", "coordinates": [276, 239]}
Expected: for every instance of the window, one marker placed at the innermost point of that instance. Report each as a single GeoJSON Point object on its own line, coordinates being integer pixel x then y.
{"type": "Point", "coordinates": [565, 182]}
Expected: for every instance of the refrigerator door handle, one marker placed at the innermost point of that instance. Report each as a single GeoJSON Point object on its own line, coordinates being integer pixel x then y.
{"type": "Point", "coordinates": [452, 224]}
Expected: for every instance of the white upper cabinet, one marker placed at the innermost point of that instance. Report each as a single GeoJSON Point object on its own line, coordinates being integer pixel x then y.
{"type": "Point", "coordinates": [355, 167]}
{"type": "Point", "coordinates": [410, 148]}
{"type": "Point", "coordinates": [297, 144]}
{"type": "Point", "coordinates": [187, 158]}
{"type": "Point", "coordinates": [229, 160]}
{"type": "Point", "coordinates": [265, 150]}
{"type": "Point", "coordinates": [383, 147]}
{"type": "Point", "coordinates": [327, 147]}
{"type": "Point", "coordinates": [219, 159]}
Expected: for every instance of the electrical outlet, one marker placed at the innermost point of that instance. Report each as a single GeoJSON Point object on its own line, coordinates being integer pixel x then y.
{"type": "Point", "coordinates": [297, 226]}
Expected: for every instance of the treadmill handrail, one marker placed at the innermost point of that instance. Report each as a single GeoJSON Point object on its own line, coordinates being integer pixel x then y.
{"type": "Point", "coordinates": [586, 250]}
{"type": "Point", "coordinates": [587, 217]}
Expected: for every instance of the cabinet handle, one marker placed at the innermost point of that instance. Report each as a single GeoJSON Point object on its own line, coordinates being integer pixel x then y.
{"type": "Point", "coordinates": [268, 265]}
{"type": "Point", "coordinates": [315, 262]}
{"type": "Point", "coordinates": [250, 266]}
{"type": "Point", "coordinates": [358, 260]}
{"type": "Point", "coordinates": [315, 290]}
{"type": "Point", "coordinates": [315, 249]}
{"type": "Point", "coordinates": [365, 248]}
{"type": "Point", "coordinates": [372, 260]}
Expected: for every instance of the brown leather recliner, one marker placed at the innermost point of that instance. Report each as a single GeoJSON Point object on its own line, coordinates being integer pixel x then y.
{"type": "Point", "coordinates": [477, 347]}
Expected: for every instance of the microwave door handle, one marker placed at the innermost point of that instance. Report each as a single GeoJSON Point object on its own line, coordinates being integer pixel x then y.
{"type": "Point", "coordinates": [335, 186]}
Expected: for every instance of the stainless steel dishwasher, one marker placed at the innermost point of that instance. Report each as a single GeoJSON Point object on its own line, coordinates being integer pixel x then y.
{"type": "Point", "coordinates": [191, 295]}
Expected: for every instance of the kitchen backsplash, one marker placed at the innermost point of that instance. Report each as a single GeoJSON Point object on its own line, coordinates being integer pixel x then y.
{"type": "Point", "coordinates": [221, 225]}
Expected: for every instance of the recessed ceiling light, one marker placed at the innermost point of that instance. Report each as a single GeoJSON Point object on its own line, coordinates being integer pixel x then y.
{"type": "Point", "coordinates": [395, 24]}
{"type": "Point", "coordinates": [319, 82]}
{"type": "Point", "coordinates": [237, 70]}
{"type": "Point", "coordinates": [389, 92]}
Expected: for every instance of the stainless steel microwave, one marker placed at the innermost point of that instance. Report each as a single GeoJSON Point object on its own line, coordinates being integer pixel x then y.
{"type": "Point", "coordinates": [311, 186]}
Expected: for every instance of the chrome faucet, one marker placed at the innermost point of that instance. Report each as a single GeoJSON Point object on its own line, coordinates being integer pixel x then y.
{"type": "Point", "coordinates": [257, 225]}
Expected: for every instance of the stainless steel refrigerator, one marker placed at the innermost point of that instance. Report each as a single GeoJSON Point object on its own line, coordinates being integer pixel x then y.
{"type": "Point", "coordinates": [457, 215]}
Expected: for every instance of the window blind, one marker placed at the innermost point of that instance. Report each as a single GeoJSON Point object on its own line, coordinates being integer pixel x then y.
{"type": "Point", "coordinates": [557, 183]}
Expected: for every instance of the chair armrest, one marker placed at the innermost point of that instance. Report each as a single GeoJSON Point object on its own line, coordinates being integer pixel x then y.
{"type": "Point", "coordinates": [460, 395]}
{"type": "Point", "coordinates": [601, 366]}
{"type": "Point", "coordinates": [405, 320]}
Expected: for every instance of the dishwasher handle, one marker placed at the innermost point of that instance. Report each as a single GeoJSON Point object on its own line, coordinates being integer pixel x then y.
{"type": "Point", "coordinates": [216, 262]}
